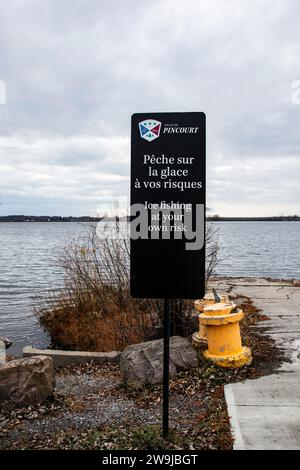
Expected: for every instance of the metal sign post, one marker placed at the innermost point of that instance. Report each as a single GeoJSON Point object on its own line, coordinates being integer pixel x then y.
{"type": "Point", "coordinates": [166, 367]}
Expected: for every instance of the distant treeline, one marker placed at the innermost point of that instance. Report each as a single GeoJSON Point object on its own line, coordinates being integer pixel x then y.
{"type": "Point", "coordinates": [45, 218]}
{"type": "Point", "coordinates": [275, 218]}
{"type": "Point", "coordinates": [216, 218]}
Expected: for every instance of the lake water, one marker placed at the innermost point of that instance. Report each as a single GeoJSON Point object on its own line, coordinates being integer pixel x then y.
{"type": "Point", "coordinates": [28, 267]}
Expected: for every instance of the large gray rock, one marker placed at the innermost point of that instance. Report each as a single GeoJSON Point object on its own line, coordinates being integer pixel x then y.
{"type": "Point", "coordinates": [7, 342]}
{"type": "Point", "coordinates": [2, 352]}
{"type": "Point", "coordinates": [26, 381]}
{"type": "Point", "coordinates": [142, 363]}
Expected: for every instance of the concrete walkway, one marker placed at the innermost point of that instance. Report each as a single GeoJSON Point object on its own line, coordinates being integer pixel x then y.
{"type": "Point", "coordinates": [265, 413]}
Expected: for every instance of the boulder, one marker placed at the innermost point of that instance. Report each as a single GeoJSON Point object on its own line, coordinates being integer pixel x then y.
{"type": "Point", "coordinates": [7, 342]}
{"type": "Point", "coordinates": [2, 352]}
{"type": "Point", "coordinates": [142, 363]}
{"type": "Point", "coordinates": [26, 381]}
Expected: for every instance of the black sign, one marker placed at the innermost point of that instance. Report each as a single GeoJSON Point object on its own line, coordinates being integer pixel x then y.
{"type": "Point", "coordinates": [168, 205]}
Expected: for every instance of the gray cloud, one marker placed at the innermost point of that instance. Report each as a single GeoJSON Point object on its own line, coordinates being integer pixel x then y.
{"type": "Point", "coordinates": [76, 71]}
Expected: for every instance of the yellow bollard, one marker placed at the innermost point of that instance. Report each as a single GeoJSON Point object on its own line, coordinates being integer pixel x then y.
{"type": "Point", "coordinates": [199, 337]}
{"type": "Point", "coordinates": [223, 335]}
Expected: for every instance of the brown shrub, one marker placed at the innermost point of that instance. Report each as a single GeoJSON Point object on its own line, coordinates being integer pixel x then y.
{"type": "Point", "coordinates": [95, 311]}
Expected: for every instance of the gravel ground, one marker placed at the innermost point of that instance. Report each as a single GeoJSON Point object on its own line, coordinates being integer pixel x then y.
{"type": "Point", "coordinates": [82, 400]}
{"type": "Point", "coordinates": [92, 397]}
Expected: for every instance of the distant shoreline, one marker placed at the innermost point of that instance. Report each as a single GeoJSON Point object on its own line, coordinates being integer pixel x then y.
{"type": "Point", "coordinates": [214, 218]}
{"type": "Point", "coordinates": [283, 218]}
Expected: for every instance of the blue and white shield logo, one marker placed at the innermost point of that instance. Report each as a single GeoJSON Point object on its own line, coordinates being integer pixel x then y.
{"type": "Point", "coordinates": [150, 129]}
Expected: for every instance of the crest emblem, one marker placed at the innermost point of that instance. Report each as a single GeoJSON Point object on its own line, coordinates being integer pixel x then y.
{"type": "Point", "coordinates": [150, 129]}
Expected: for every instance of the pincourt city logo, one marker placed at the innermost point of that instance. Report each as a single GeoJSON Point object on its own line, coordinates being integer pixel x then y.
{"type": "Point", "coordinates": [150, 129]}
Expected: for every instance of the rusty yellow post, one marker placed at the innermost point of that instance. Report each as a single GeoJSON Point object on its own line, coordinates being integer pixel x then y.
{"type": "Point", "coordinates": [221, 321]}
{"type": "Point", "coordinates": [199, 337]}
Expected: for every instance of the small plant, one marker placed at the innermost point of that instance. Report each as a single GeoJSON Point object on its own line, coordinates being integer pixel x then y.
{"type": "Point", "coordinates": [150, 438]}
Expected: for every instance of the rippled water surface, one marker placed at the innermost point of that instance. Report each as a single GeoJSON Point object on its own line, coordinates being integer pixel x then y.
{"type": "Point", "coordinates": [28, 269]}
{"type": "Point", "coordinates": [270, 249]}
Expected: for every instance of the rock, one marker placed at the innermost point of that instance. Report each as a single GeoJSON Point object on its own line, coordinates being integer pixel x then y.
{"type": "Point", "coordinates": [2, 353]}
{"type": "Point", "coordinates": [26, 381]}
{"type": "Point", "coordinates": [142, 363]}
{"type": "Point", "coordinates": [6, 341]}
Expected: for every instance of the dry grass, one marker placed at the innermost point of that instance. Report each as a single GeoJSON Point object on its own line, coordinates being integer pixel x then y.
{"type": "Point", "coordinates": [95, 311]}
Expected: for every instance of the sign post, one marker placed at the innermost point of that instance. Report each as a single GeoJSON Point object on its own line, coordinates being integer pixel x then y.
{"type": "Point", "coordinates": [166, 368]}
{"type": "Point", "coordinates": [167, 228]}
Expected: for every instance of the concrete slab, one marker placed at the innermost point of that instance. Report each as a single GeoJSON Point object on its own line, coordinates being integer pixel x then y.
{"type": "Point", "coordinates": [283, 324]}
{"type": "Point", "coordinates": [271, 293]}
{"type": "Point", "coordinates": [267, 428]}
{"type": "Point", "coordinates": [278, 306]}
{"type": "Point", "coordinates": [265, 413]}
{"type": "Point", "coordinates": [254, 281]}
{"type": "Point", "coordinates": [67, 358]}
{"type": "Point", "coordinates": [287, 342]}
{"type": "Point", "coordinates": [271, 390]}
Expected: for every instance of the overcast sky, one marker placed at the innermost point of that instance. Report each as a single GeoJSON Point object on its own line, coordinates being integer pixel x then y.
{"type": "Point", "coordinates": [75, 70]}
